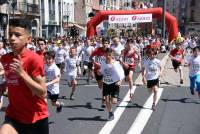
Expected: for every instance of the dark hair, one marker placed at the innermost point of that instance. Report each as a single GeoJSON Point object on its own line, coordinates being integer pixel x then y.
{"type": "Point", "coordinates": [50, 54]}
{"type": "Point", "coordinates": [41, 39]}
{"type": "Point", "coordinates": [105, 39]}
{"type": "Point", "coordinates": [129, 40]}
{"type": "Point", "coordinates": [109, 50]}
{"type": "Point", "coordinates": [154, 50]}
{"type": "Point", "coordinates": [24, 23]}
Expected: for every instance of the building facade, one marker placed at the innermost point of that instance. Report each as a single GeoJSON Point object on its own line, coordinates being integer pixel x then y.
{"type": "Point", "coordinates": [192, 19]}
{"type": "Point", "coordinates": [28, 9]}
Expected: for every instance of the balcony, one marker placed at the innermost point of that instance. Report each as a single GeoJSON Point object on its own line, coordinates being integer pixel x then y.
{"type": "Point", "coordinates": [29, 8]}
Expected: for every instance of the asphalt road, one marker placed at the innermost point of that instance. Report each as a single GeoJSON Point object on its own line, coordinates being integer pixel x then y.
{"type": "Point", "coordinates": [177, 111]}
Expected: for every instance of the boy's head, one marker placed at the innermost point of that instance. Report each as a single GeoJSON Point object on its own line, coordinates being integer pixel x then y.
{"type": "Point", "coordinates": [72, 51]}
{"type": "Point", "coordinates": [41, 43]}
{"type": "Point", "coordinates": [196, 51]}
{"type": "Point", "coordinates": [109, 53]}
{"type": "Point", "coordinates": [19, 34]}
{"type": "Point", "coordinates": [105, 42]}
{"type": "Point", "coordinates": [49, 56]}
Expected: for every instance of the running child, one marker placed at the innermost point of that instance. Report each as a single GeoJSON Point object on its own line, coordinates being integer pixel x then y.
{"type": "Point", "coordinates": [72, 62]}
{"type": "Point", "coordinates": [99, 56]}
{"type": "Point", "coordinates": [129, 57]}
{"type": "Point", "coordinates": [177, 57]}
{"type": "Point", "coordinates": [113, 75]}
{"type": "Point", "coordinates": [194, 71]}
{"type": "Point", "coordinates": [52, 73]}
{"type": "Point", "coordinates": [151, 71]}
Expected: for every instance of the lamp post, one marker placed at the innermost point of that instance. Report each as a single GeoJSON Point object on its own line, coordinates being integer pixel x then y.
{"type": "Point", "coordinates": [67, 18]}
{"type": "Point", "coordinates": [13, 4]}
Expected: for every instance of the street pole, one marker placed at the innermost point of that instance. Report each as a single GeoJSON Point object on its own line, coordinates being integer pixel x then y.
{"type": "Point", "coordinates": [61, 19]}
{"type": "Point", "coordinates": [163, 18]}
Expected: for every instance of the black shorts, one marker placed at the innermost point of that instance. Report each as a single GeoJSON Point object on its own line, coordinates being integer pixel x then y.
{"type": "Point", "coordinates": [126, 71]}
{"type": "Point", "coordinates": [61, 65]}
{"type": "Point", "coordinates": [151, 83]}
{"type": "Point", "coordinates": [89, 64]}
{"type": "Point", "coordinates": [39, 127]}
{"type": "Point", "coordinates": [53, 97]}
{"type": "Point", "coordinates": [111, 90]}
{"type": "Point", "coordinates": [98, 77]}
{"type": "Point", "coordinates": [176, 64]}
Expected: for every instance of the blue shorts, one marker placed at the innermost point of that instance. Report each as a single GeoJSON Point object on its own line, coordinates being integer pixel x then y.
{"type": "Point", "coordinates": [195, 82]}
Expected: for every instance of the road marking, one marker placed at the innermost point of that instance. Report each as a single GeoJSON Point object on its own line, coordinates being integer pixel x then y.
{"type": "Point", "coordinates": [97, 85]}
{"type": "Point", "coordinates": [108, 127]}
{"type": "Point", "coordinates": [144, 115]}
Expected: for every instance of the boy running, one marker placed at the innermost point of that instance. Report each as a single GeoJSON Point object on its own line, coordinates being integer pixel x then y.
{"type": "Point", "coordinates": [52, 73]}
{"type": "Point", "coordinates": [113, 75]}
{"type": "Point", "coordinates": [177, 57]}
{"type": "Point", "coordinates": [72, 62]}
{"type": "Point", "coordinates": [194, 71]}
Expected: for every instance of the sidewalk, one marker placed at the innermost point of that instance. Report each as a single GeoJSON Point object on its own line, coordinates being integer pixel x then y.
{"type": "Point", "coordinates": [172, 78]}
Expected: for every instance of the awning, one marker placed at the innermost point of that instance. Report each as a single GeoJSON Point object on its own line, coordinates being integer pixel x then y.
{"type": "Point", "coordinates": [73, 24]}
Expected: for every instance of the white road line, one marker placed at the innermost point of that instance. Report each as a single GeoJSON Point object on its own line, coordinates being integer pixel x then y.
{"type": "Point", "coordinates": [144, 115]}
{"type": "Point", "coordinates": [108, 127]}
{"type": "Point", "coordinates": [97, 85]}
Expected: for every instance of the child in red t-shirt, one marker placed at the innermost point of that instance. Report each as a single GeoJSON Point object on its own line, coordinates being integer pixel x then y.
{"type": "Point", "coordinates": [177, 56]}
{"type": "Point", "coordinates": [24, 72]}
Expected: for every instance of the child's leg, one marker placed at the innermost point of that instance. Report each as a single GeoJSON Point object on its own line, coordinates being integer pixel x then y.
{"type": "Point", "coordinates": [130, 80]}
{"type": "Point", "coordinates": [192, 84]}
{"type": "Point", "coordinates": [154, 90]}
{"type": "Point", "coordinates": [198, 84]}
{"type": "Point", "coordinates": [108, 103]}
{"type": "Point", "coordinates": [181, 74]}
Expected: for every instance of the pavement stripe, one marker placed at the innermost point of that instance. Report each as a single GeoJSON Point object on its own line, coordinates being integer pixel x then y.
{"type": "Point", "coordinates": [108, 127]}
{"type": "Point", "coordinates": [144, 115]}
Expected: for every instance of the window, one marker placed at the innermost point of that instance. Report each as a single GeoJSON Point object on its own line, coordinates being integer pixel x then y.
{"type": "Point", "coordinates": [193, 3]}
{"type": "Point", "coordinates": [192, 15]}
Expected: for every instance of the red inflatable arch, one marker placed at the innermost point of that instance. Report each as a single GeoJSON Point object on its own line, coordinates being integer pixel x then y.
{"type": "Point", "coordinates": [171, 21]}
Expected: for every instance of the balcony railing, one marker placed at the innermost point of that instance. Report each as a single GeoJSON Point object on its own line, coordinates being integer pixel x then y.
{"type": "Point", "coordinates": [28, 8]}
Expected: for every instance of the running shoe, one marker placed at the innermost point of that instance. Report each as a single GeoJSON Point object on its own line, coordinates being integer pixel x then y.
{"type": "Point", "coordinates": [84, 72]}
{"type": "Point", "coordinates": [71, 96]}
{"type": "Point", "coordinates": [192, 92]}
{"type": "Point", "coordinates": [103, 105]}
{"type": "Point", "coordinates": [59, 108]}
{"type": "Point", "coordinates": [111, 116]}
{"type": "Point", "coordinates": [153, 107]}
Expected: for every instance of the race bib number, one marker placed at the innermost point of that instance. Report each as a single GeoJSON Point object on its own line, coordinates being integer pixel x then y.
{"type": "Point", "coordinates": [100, 59]}
{"type": "Point", "coordinates": [108, 80]}
{"type": "Point", "coordinates": [129, 61]}
{"type": "Point", "coordinates": [178, 57]}
{"type": "Point", "coordinates": [195, 67]}
{"type": "Point", "coordinates": [152, 70]}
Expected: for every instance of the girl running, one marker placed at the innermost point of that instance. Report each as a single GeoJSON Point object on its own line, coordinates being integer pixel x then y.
{"type": "Point", "coordinates": [151, 71]}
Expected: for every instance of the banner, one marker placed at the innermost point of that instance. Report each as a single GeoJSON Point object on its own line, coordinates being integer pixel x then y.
{"type": "Point", "coordinates": [136, 18]}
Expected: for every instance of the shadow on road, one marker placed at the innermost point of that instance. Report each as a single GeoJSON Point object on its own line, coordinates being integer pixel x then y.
{"type": "Point", "coordinates": [87, 105]}
{"type": "Point", "coordinates": [96, 118]}
{"type": "Point", "coordinates": [182, 100]}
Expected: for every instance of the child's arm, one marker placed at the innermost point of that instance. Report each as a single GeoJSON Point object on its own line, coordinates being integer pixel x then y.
{"type": "Point", "coordinates": [143, 75]}
{"type": "Point", "coordinates": [56, 80]}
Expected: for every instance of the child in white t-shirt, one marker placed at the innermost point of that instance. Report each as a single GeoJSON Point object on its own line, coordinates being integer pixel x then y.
{"type": "Point", "coordinates": [52, 74]}
{"type": "Point", "coordinates": [72, 63]}
{"type": "Point", "coordinates": [151, 71]}
{"type": "Point", "coordinates": [194, 71]}
{"type": "Point", "coordinates": [113, 74]}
